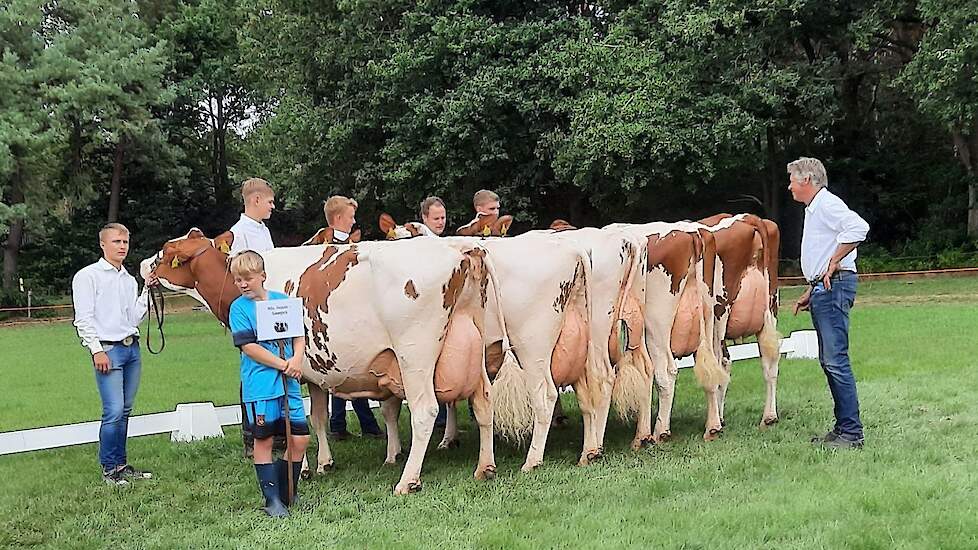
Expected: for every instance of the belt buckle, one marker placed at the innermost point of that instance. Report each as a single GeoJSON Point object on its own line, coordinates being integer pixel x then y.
{"type": "Point", "coordinates": [127, 341]}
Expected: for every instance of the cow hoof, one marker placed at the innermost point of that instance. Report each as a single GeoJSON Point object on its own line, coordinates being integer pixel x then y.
{"type": "Point", "coordinates": [390, 462]}
{"type": "Point", "coordinates": [453, 444]}
{"type": "Point", "coordinates": [305, 474]}
{"type": "Point", "coordinates": [527, 468]}
{"type": "Point", "coordinates": [713, 434]}
{"type": "Point", "coordinates": [663, 437]}
{"type": "Point", "coordinates": [596, 454]}
{"type": "Point", "coordinates": [723, 423]}
{"type": "Point", "coordinates": [408, 488]}
{"type": "Point", "coordinates": [323, 468]}
{"type": "Point", "coordinates": [487, 473]}
{"type": "Point", "coordinates": [768, 422]}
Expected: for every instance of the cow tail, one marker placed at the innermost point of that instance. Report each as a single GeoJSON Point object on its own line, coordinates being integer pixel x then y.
{"type": "Point", "coordinates": [630, 380]}
{"type": "Point", "coordinates": [511, 403]}
{"type": "Point", "coordinates": [706, 366]}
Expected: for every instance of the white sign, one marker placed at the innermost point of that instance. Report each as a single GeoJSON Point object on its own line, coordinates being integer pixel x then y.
{"type": "Point", "coordinates": [279, 319]}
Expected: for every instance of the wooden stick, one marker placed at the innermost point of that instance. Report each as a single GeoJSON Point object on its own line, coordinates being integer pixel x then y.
{"type": "Point", "coordinates": [288, 425]}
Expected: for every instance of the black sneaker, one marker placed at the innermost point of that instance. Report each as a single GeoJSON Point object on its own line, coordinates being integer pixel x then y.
{"type": "Point", "coordinates": [830, 435]}
{"type": "Point", "coordinates": [340, 436]}
{"type": "Point", "coordinates": [128, 472]}
{"type": "Point", "coordinates": [843, 442]}
{"type": "Point", "coordinates": [114, 477]}
{"type": "Point", "coordinates": [375, 435]}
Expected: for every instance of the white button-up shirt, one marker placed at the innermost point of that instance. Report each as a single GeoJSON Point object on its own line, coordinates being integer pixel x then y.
{"type": "Point", "coordinates": [106, 304]}
{"type": "Point", "coordinates": [250, 234]}
{"type": "Point", "coordinates": [829, 223]}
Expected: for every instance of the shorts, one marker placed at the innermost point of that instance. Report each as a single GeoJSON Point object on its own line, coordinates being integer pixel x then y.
{"type": "Point", "coordinates": [265, 419]}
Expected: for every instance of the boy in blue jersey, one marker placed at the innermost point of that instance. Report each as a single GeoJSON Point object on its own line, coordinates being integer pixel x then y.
{"type": "Point", "coordinates": [263, 396]}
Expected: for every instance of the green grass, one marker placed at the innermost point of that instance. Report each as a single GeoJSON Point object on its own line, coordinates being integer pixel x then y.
{"type": "Point", "coordinates": [913, 486]}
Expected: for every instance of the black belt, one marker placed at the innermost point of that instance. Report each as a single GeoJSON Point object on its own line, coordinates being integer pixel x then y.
{"type": "Point", "coordinates": [835, 276]}
{"type": "Point", "coordinates": [127, 341]}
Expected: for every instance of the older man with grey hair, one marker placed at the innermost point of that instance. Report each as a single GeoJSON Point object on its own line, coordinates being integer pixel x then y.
{"type": "Point", "coordinates": [828, 260]}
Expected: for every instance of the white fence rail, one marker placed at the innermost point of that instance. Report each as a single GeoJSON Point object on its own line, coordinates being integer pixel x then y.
{"type": "Point", "coordinates": [193, 421]}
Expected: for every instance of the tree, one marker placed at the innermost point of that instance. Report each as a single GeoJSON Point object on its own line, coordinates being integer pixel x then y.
{"type": "Point", "coordinates": [943, 77]}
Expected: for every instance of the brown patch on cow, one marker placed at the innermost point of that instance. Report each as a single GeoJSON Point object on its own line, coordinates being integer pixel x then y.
{"type": "Point", "coordinates": [326, 235]}
{"type": "Point", "coordinates": [453, 287]}
{"type": "Point", "coordinates": [673, 253]}
{"type": "Point", "coordinates": [317, 282]}
{"type": "Point", "coordinates": [566, 287]}
{"type": "Point", "coordinates": [289, 287]}
{"type": "Point", "coordinates": [412, 229]}
{"type": "Point", "coordinates": [410, 291]}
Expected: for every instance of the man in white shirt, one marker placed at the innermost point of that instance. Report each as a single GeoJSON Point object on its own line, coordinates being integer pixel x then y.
{"type": "Point", "coordinates": [434, 214]}
{"type": "Point", "coordinates": [828, 260]}
{"type": "Point", "coordinates": [251, 233]}
{"type": "Point", "coordinates": [108, 310]}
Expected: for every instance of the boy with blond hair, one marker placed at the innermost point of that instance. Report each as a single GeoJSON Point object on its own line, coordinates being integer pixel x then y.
{"type": "Point", "coordinates": [263, 395]}
{"type": "Point", "coordinates": [341, 215]}
{"type": "Point", "coordinates": [485, 202]}
{"type": "Point", "coordinates": [250, 232]}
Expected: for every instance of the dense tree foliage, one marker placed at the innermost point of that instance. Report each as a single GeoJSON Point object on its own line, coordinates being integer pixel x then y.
{"type": "Point", "coordinates": [151, 112]}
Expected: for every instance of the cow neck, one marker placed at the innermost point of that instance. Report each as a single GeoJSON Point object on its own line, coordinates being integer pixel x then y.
{"type": "Point", "coordinates": [214, 282]}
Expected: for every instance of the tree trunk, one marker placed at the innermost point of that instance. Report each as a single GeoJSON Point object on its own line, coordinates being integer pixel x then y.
{"type": "Point", "coordinates": [967, 149]}
{"type": "Point", "coordinates": [223, 194]}
{"type": "Point", "coordinates": [116, 189]}
{"type": "Point", "coordinates": [11, 249]}
{"type": "Point", "coordinates": [776, 178]}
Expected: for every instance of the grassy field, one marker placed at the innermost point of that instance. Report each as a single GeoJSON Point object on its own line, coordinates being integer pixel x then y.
{"type": "Point", "coordinates": [913, 486]}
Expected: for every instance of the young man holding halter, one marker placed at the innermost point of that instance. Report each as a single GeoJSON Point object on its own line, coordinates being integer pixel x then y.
{"type": "Point", "coordinates": [107, 317]}
{"type": "Point", "coordinates": [263, 366]}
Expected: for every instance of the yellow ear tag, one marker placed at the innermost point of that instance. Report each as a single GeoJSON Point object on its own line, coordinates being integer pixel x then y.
{"type": "Point", "coordinates": [504, 229]}
{"type": "Point", "coordinates": [391, 235]}
{"type": "Point", "coordinates": [486, 231]}
{"type": "Point", "coordinates": [225, 248]}
{"type": "Point", "coordinates": [175, 263]}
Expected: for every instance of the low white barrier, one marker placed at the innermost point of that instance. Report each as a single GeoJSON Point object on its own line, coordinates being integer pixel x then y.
{"type": "Point", "coordinates": [193, 421]}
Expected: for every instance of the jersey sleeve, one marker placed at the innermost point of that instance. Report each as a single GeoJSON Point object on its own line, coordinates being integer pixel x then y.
{"type": "Point", "coordinates": [242, 325]}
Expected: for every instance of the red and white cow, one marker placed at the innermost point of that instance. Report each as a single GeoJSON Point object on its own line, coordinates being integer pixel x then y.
{"type": "Point", "coordinates": [545, 297]}
{"type": "Point", "coordinates": [746, 305]}
{"type": "Point", "coordinates": [678, 322]}
{"type": "Point", "coordinates": [379, 323]}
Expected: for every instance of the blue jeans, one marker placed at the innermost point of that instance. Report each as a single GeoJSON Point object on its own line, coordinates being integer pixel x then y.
{"type": "Point", "coordinates": [830, 315]}
{"type": "Point", "coordinates": [337, 415]}
{"type": "Point", "coordinates": [117, 388]}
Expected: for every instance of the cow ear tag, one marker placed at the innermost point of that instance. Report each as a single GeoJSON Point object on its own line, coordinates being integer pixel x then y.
{"type": "Point", "coordinates": [486, 231]}
{"type": "Point", "coordinates": [175, 263]}
{"type": "Point", "coordinates": [225, 248]}
{"type": "Point", "coordinates": [504, 230]}
{"type": "Point", "coordinates": [391, 234]}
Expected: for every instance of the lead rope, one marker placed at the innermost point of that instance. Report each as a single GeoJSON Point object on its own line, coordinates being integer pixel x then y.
{"type": "Point", "coordinates": [157, 305]}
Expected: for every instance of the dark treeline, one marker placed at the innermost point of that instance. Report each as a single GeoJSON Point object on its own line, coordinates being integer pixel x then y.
{"type": "Point", "coordinates": [152, 112]}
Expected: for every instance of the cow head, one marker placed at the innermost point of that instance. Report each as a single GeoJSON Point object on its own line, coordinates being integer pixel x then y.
{"type": "Point", "coordinates": [561, 225]}
{"type": "Point", "coordinates": [394, 232]}
{"type": "Point", "coordinates": [486, 225]}
{"type": "Point", "coordinates": [325, 236]}
{"type": "Point", "coordinates": [196, 266]}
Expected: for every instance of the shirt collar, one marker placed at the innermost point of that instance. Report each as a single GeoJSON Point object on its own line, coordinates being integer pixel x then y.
{"type": "Point", "coordinates": [812, 205]}
{"type": "Point", "coordinates": [340, 235]}
{"type": "Point", "coordinates": [104, 264]}
{"type": "Point", "coordinates": [246, 219]}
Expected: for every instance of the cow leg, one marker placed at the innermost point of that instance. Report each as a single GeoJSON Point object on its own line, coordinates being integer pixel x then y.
{"type": "Point", "coordinates": [713, 426]}
{"type": "Point", "coordinates": [585, 402]}
{"type": "Point", "coordinates": [666, 373]}
{"type": "Point", "coordinates": [391, 409]}
{"type": "Point", "coordinates": [318, 418]}
{"type": "Point", "coordinates": [543, 406]}
{"type": "Point", "coordinates": [419, 390]}
{"type": "Point", "coordinates": [482, 407]}
{"type": "Point", "coordinates": [769, 344]}
{"type": "Point", "coordinates": [450, 438]}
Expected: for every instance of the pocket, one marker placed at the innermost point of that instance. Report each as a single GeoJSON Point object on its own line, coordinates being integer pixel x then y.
{"type": "Point", "coordinates": [108, 347]}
